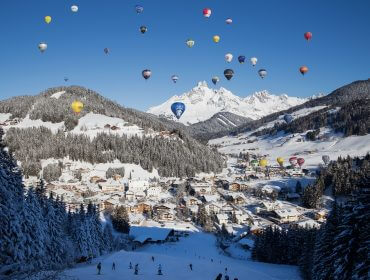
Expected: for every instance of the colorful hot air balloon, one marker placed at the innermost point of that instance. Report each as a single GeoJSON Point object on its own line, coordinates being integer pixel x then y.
{"type": "Point", "coordinates": [74, 8]}
{"type": "Point", "coordinates": [300, 161]}
{"type": "Point", "coordinates": [262, 73]}
{"type": "Point", "coordinates": [280, 161]}
{"type": "Point", "coordinates": [308, 36]}
{"type": "Point", "coordinates": [229, 73]}
{"type": "Point", "coordinates": [190, 43]}
{"type": "Point", "coordinates": [293, 161]}
{"type": "Point", "coordinates": [42, 47]}
{"type": "Point", "coordinates": [215, 80]}
{"type": "Point", "coordinates": [228, 57]}
{"type": "Point", "coordinates": [48, 19]}
{"type": "Point", "coordinates": [77, 106]}
{"type": "Point", "coordinates": [178, 108]}
{"type": "Point", "coordinates": [241, 59]}
{"type": "Point", "coordinates": [326, 159]}
{"type": "Point", "coordinates": [254, 61]}
{"type": "Point", "coordinates": [146, 74]}
{"type": "Point", "coordinates": [229, 21]}
{"type": "Point", "coordinates": [263, 162]}
{"type": "Point", "coordinates": [143, 29]}
{"type": "Point", "coordinates": [139, 9]}
{"type": "Point", "coordinates": [207, 12]}
{"type": "Point", "coordinates": [106, 50]}
{"type": "Point", "coordinates": [216, 38]}
{"type": "Point", "coordinates": [175, 78]}
{"type": "Point", "coordinates": [254, 163]}
{"type": "Point", "coordinates": [303, 70]}
{"type": "Point", "coordinates": [288, 118]}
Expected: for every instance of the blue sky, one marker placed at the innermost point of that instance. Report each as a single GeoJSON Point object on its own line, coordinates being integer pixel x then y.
{"type": "Point", "coordinates": [271, 30]}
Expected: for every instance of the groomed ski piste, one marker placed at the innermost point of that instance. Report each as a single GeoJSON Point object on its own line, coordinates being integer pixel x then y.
{"type": "Point", "coordinates": [198, 249]}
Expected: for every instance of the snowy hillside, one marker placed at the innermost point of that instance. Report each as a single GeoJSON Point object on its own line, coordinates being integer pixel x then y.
{"type": "Point", "coordinates": [197, 249]}
{"type": "Point", "coordinates": [203, 102]}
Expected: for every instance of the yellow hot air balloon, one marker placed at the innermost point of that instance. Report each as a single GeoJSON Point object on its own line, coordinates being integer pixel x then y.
{"type": "Point", "coordinates": [280, 161]}
{"type": "Point", "coordinates": [77, 106]}
{"type": "Point", "coordinates": [48, 19]}
{"type": "Point", "coordinates": [216, 38]}
{"type": "Point", "coordinates": [263, 162]}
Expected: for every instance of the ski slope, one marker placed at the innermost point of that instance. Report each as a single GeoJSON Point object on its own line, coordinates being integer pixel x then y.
{"type": "Point", "coordinates": [198, 249]}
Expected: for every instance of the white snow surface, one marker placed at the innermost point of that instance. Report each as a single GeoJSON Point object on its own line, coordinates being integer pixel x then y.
{"type": "Point", "coordinates": [203, 102]}
{"type": "Point", "coordinates": [198, 249]}
{"type": "Point", "coordinates": [4, 116]}
{"type": "Point", "coordinates": [58, 94]}
{"type": "Point", "coordinates": [27, 122]}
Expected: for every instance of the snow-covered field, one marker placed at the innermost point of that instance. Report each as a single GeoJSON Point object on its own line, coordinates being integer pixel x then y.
{"type": "Point", "coordinates": [197, 249]}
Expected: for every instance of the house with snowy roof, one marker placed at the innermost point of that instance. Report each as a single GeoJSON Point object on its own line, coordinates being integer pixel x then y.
{"type": "Point", "coordinates": [144, 235]}
{"type": "Point", "coordinates": [153, 191]}
{"type": "Point", "coordinates": [111, 186]}
{"type": "Point", "coordinates": [213, 208]}
{"type": "Point", "coordinates": [287, 215]}
{"type": "Point", "coordinates": [138, 185]}
{"type": "Point", "coordinates": [201, 188]}
{"type": "Point", "coordinates": [222, 219]}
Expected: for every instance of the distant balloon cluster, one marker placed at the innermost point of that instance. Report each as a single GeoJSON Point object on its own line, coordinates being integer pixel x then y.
{"type": "Point", "coordinates": [178, 108]}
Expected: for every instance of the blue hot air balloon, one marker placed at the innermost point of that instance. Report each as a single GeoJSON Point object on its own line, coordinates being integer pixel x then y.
{"type": "Point", "coordinates": [241, 59]}
{"type": "Point", "coordinates": [139, 9]}
{"type": "Point", "coordinates": [178, 108]}
{"type": "Point", "coordinates": [288, 118]}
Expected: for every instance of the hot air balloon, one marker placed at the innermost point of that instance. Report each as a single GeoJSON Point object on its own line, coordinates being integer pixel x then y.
{"type": "Point", "coordinates": [178, 108]}
{"type": "Point", "coordinates": [48, 19]}
{"type": "Point", "coordinates": [293, 161]}
{"type": "Point", "coordinates": [146, 74]}
{"type": "Point", "coordinates": [303, 70]}
{"type": "Point", "coordinates": [228, 57]}
{"type": "Point", "coordinates": [300, 161]}
{"type": "Point", "coordinates": [77, 106]}
{"type": "Point", "coordinates": [207, 12]}
{"type": "Point", "coordinates": [241, 59]}
{"type": "Point", "coordinates": [263, 162]}
{"type": "Point", "coordinates": [106, 51]}
{"type": "Point", "coordinates": [74, 9]}
{"type": "Point", "coordinates": [288, 118]}
{"type": "Point", "coordinates": [175, 78]}
{"type": "Point", "coordinates": [229, 73]}
{"type": "Point", "coordinates": [254, 163]}
{"type": "Point", "coordinates": [308, 36]}
{"type": "Point", "coordinates": [65, 79]}
{"type": "Point", "coordinates": [42, 47]}
{"type": "Point", "coordinates": [215, 80]}
{"type": "Point", "coordinates": [139, 9]}
{"type": "Point", "coordinates": [229, 21]}
{"type": "Point", "coordinates": [216, 38]}
{"type": "Point", "coordinates": [254, 61]}
{"type": "Point", "coordinates": [190, 43]}
{"type": "Point", "coordinates": [262, 73]}
{"type": "Point", "coordinates": [280, 161]}
{"type": "Point", "coordinates": [143, 29]}
{"type": "Point", "coordinates": [326, 159]}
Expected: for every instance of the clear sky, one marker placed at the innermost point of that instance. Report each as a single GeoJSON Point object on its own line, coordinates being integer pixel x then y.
{"type": "Point", "coordinates": [271, 30]}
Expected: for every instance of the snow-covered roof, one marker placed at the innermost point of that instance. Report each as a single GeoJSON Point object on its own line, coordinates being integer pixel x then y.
{"type": "Point", "coordinates": [209, 198]}
{"type": "Point", "coordinates": [287, 212]}
{"type": "Point", "coordinates": [308, 223]}
{"type": "Point", "coordinates": [142, 234]}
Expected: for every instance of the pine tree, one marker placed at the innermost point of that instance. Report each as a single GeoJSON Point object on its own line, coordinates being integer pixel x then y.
{"type": "Point", "coordinates": [120, 220]}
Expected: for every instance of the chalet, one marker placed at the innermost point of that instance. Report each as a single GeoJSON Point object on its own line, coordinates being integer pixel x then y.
{"type": "Point", "coordinates": [164, 213]}
{"type": "Point", "coordinates": [117, 177]}
{"type": "Point", "coordinates": [287, 215]}
{"type": "Point", "coordinates": [222, 219]}
{"type": "Point", "coordinates": [190, 201]}
{"type": "Point", "coordinates": [226, 209]}
{"type": "Point", "coordinates": [139, 195]}
{"type": "Point", "coordinates": [238, 198]}
{"type": "Point", "coordinates": [144, 235]}
{"type": "Point", "coordinates": [109, 204]}
{"type": "Point", "coordinates": [153, 191]}
{"type": "Point", "coordinates": [94, 179]}
{"type": "Point", "coordinates": [243, 219]}
{"type": "Point", "coordinates": [130, 196]}
{"type": "Point", "coordinates": [235, 187]}
{"type": "Point", "coordinates": [111, 186]}
{"type": "Point", "coordinates": [201, 188]}
{"type": "Point", "coordinates": [141, 208]}
{"type": "Point", "coordinates": [138, 185]}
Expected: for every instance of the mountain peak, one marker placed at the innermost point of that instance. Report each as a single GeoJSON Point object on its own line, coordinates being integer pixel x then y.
{"type": "Point", "coordinates": [202, 84]}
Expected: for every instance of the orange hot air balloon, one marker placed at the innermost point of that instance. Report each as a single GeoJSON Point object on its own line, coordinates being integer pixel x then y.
{"type": "Point", "coordinates": [308, 36]}
{"type": "Point", "coordinates": [303, 70]}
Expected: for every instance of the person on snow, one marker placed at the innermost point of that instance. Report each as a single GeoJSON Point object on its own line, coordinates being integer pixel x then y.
{"type": "Point", "coordinates": [130, 266]}
{"type": "Point", "coordinates": [227, 277]}
{"type": "Point", "coordinates": [136, 269]}
{"type": "Point", "coordinates": [219, 276]}
{"type": "Point", "coordinates": [153, 258]}
{"type": "Point", "coordinates": [160, 269]}
{"type": "Point", "coordinates": [191, 267]}
{"type": "Point", "coordinates": [113, 266]}
{"type": "Point", "coordinates": [99, 268]}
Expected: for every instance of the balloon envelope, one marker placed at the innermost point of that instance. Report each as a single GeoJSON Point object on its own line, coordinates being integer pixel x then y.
{"type": "Point", "coordinates": [207, 12]}
{"type": "Point", "coordinates": [143, 29]}
{"type": "Point", "coordinates": [300, 161]}
{"type": "Point", "coordinates": [326, 159]}
{"type": "Point", "coordinates": [303, 70]}
{"type": "Point", "coordinates": [241, 59]}
{"type": "Point", "coordinates": [229, 57]}
{"type": "Point", "coordinates": [280, 160]}
{"type": "Point", "coordinates": [262, 73]}
{"type": "Point", "coordinates": [308, 36]}
{"type": "Point", "coordinates": [74, 9]}
{"type": "Point", "coordinates": [263, 162]}
{"type": "Point", "coordinates": [106, 51]}
{"type": "Point", "coordinates": [42, 47]}
{"type": "Point", "coordinates": [178, 108]}
{"type": "Point", "coordinates": [254, 163]}
{"type": "Point", "coordinates": [146, 74]}
{"type": "Point", "coordinates": [229, 21]}
{"type": "Point", "coordinates": [174, 78]}
{"type": "Point", "coordinates": [190, 43]}
{"type": "Point", "coordinates": [216, 38]}
{"type": "Point", "coordinates": [215, 80]}
{"type": "Point", "coordinates": [77, 106]}
{"type": "Point", "coordinates": [139, 9]}
{"type": "Point", "coordinates": [48, 19]}
{"type": "Point", "coordinates": [229, 73]}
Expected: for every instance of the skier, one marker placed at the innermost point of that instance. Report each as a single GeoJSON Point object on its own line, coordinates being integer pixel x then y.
{"type": "Point", "coordinates": [99, 268]}
{"type": "Point", "coordinates": [191, 267]}
{"type": "Point", "coordinates": [227, 277]}
{"type": "Point", "coordinates": [160, 270]}
{"type": "Point", "coordinates": [219, 276]}
{"type": "Point", "coordinates": [113, 266]}
{"type": "Point", "coordinates": [153, 258]}
{"type": "Point", "coordinates": [130, 266]}
{"type": "Point", "coordinates": [136, 269]}
{"type": "Point", "coordinates": [235, 278]}
{"type": "Point", "coordinates": [211, 260]}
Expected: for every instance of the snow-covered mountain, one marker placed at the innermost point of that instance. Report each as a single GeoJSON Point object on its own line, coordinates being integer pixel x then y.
{"type": "Point", "coordinates": [203, 102]}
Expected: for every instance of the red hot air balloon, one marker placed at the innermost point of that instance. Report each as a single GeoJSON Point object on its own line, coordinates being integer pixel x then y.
{"type": "Point", "coordinates": [303, 70]}
{"type": "Point", "coordinates": [293, 161]}
{"type": "Point", "coordinates": [308, 36]}
{"type": "Point", "coordinates": [207, 12]}
{"type": "Point", "coordinates": [300, 161]}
